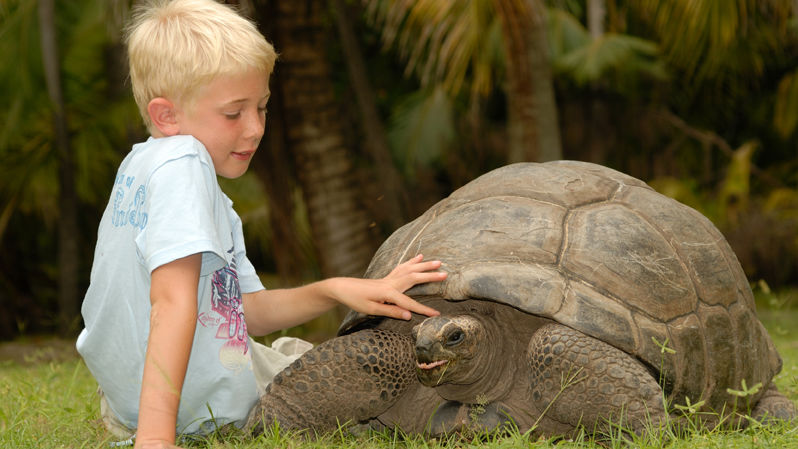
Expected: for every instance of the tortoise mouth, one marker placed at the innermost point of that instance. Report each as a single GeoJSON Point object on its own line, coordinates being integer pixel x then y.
{"type": "Point", "coordinates": [431, 365]}
{"type": "Point", "coordinates": [431, 374]}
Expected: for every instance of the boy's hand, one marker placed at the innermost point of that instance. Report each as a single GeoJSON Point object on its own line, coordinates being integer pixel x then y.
{"type": "Point", "coordinates": [386, 296]}
{"type": "Point", "coordinates": [155, 444]}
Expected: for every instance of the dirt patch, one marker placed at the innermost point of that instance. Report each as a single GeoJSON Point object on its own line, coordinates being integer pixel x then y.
{"type": "Point", "coordinates": [33, 350]}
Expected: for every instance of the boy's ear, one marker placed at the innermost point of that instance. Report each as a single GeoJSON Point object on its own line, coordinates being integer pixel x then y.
{"type": "Point", "coordinates": [163, 116]}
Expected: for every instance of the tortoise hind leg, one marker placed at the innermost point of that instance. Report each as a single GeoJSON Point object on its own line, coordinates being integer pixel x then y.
{"type": "Point", "coordinates": [346, 379]}
{"type": "Point", "coordinates": [577, 380]}
{"type": "Point", "coordinates": [772, 405]}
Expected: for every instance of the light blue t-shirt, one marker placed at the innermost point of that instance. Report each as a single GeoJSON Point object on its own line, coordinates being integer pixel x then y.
{"type": "Point", "coordinates": [167, 204]}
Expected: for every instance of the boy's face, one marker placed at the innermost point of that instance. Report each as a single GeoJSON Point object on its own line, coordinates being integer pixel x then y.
{"type": "Point", "coordinates": [228, 116]}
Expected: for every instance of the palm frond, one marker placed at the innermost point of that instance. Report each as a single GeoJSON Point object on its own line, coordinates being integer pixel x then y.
{"type": "Point", "coordinates": [611, 53]}
{"type": "Point", "coordinates": [421, 127]}
{"type": "Point", "coordinates": [99, 122]}
{"type": "Point", "coordinates": [565, 33]}
{"type": "Point", "coordinates": [785, 117]}
{"type": "Point", "coordinates": [450, 43]}
{"type": "Point", "coordinates": [699, 37]}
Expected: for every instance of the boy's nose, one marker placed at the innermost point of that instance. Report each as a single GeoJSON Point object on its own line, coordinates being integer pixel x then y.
{"type": "Point", "coordinates": [254, 126]}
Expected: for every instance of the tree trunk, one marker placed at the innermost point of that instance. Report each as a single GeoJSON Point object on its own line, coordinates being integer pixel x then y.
{"type": "Point", "coordinates": [393, 196]}
{"type": "Point", "coordinates": [533, 128]}
{"type": "Point", "coordinates": [596, 11]}
{"type": "Point", "coordinates": [273, 167]}
{"type": "Point", "coordinates": [68, 252]}
{"type": "Point", "coordinates": [599, 116]}
{"type": "Point", "coordinates": [340, 226]}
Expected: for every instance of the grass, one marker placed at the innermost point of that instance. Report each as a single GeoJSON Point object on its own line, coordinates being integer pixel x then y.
{"type": "Point", "coordinates": [50, 402]}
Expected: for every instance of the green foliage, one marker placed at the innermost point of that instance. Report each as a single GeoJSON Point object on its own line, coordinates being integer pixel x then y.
{"type": "Point", "coordinates": [251, 204]}
{"type": "Point", "coordinates": [785, 115]}
{"type": "Point", "coordinates": [444, 43]}
{"type": "Point", "coordinates": [726, 67]}
{"type": "Point", "coordinates": [99, 120]}
{"type": "Point", "coordinates": [612, 54]}
{"type": "Point", "coordinates": [422, 127]}
{"type": "Point", "coordinates": [703, 39]}
{"type": "Point", "coordinates": [612, 59]}
{"type": "Point", "coordinates": [565, 33]}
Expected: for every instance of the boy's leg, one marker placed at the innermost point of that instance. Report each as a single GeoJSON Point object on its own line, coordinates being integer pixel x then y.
{"type": "Point", "coordinates": [110, 421]}
{"type": "Point", "coordinates": [267, 361]}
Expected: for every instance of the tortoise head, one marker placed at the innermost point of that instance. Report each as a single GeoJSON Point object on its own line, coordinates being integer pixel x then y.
{"type": "Point", "coordinates": [453, 349]}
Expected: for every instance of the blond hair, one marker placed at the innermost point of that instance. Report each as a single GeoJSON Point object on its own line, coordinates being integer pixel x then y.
{"type": "Point", "coordinates": [175, 47]}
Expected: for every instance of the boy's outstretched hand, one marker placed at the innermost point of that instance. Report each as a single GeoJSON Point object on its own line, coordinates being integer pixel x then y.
{"type": "Point", "coordinates": [267, 311]}
{"type": "Point", "coordinates": [386, 296]}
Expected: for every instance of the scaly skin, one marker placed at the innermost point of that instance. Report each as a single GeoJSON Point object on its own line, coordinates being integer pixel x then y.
{"type": "Point", "coordinates": [350, 378]}
{"type": "Point", "coordinates": [590, 383]}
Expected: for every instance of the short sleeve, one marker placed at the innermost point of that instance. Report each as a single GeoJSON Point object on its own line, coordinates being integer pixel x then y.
{"type": "Point", "coordinates": [247, 275]}
{"type": "Point", "coordinates": [184, 216]}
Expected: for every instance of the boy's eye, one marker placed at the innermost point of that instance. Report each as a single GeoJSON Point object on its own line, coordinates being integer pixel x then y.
{"type": "Point", "coordinates": [262, 110]}
{"type": "Point", "coordinates": [232, 115]}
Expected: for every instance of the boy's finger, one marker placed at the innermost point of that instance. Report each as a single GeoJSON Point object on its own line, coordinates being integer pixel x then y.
{"type": "Point", "coordinates": [413, 260]}
{"type": "Point", "coordinates": [392, 312]}
{"type": "Point", "coordinates": [427, 266]}
{"type": "Point", "coordinates": [412, 305]}
{"type": "Point", "coordinates": [421, 278]}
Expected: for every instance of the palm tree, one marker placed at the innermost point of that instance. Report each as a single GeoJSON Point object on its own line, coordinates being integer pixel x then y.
{"type": "Point", "coordinates": [533, 128]}
{"type": "Point", "coordinates": [392, 192]}
{"type": "Point", "coordinates": [313, 135]}
{"type": "Point", "coordinates": [596, 12]}
{"type": "Point", "coordinates": [68, 256]}
{"type": "Point", "coordinates": [454, 44]}
{"type": "Point", "coordinates": [54, 169]}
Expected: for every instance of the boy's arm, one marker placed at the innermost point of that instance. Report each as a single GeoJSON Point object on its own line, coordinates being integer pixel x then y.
{"type": "Point", "coordinates": [266, 311]}
{"type": "Point", "coordinates": [173, 294]}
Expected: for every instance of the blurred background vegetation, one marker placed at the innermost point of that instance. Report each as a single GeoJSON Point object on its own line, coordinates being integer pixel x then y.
{"type": "Point", "coordinates": [380, 108]}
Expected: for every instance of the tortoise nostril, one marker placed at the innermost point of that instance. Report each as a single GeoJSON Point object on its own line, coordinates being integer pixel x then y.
{"type": "Point", "coordinates": [424, 345]}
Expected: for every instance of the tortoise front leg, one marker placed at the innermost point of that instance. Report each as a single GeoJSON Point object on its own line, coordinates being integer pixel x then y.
{"type": "Point", "coordinates": [579, 380]}
{"type": "Point", "coordinates": [774, 405]}
{"type": "Point", "coordinates": [346, 379]}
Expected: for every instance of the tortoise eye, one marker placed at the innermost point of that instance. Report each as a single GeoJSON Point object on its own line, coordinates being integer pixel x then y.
{"type": "Point", "coordinates": [455, 338]}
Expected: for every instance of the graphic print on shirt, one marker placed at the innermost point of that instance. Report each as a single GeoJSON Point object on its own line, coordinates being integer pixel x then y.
{"type": "Point", "coordinates": [227, 315]}
{"type": "Point", "coordinates": [128, 207]}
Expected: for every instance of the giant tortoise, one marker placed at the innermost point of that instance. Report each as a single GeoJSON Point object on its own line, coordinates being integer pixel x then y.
{"type": "Point", "coordinates": [576, 296]}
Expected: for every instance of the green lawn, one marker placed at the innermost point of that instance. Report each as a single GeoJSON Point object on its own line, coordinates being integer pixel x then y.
{"type": "Point", "coordinates": [49, 401]}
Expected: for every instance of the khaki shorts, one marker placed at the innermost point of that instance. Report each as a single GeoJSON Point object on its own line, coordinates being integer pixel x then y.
{"type": "Point", "coordinates": [267, 361]}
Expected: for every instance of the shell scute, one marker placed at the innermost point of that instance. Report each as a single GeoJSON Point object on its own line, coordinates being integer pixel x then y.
{"type": "Point", "coordinates": [494, 229]}
{"type": "Point", "coordinates": [598, 316]}
{"type": "Point", "coordinates": [562, 184]}
{"type": "Point", "coordinates": [689, 359]}
{"type": "Point", "coordinates": [619, 252]}
{"type": "Point", "coordinates": [723, 362]}
{"type": "Point", "coordinates": [748, 348]}
{"type": "Point", "coordinates": [704, 252]}
{"type": "Point", "coordinates": [654, 334]}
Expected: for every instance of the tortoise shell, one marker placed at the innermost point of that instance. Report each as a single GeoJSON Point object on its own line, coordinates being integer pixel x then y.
{"type": "Point", "coordinates": [605, 254]}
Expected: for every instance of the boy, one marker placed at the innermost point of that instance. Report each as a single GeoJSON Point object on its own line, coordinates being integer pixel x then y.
{"type": "Point", "coordinates": [172, 295]}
